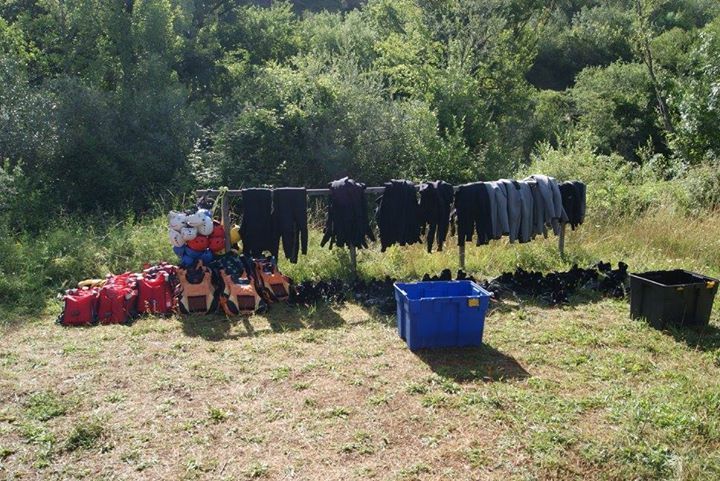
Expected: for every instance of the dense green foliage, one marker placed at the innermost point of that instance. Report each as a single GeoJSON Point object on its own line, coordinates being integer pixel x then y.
{"type": "Point", "coordinates": [108, 105]}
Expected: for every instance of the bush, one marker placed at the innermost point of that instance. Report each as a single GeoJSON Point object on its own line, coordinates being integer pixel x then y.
{"type": "Point", "coordinates": [612, 183]}
{"type": "Point", "coordinates": [34, 268]}
{"type": "Point", "coordinates": [701, 188]}
{"type": "Point", "coordinates": [617, 188]}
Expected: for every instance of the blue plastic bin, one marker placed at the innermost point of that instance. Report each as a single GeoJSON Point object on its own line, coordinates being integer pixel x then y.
{"type": "Point", "coordinates": [441, 313]}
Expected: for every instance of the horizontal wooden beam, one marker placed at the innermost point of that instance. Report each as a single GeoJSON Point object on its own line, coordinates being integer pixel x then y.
{"type": "Point", "coordinates": [310, 192]}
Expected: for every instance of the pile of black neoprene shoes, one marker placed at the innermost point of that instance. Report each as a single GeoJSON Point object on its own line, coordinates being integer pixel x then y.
{"type": "Point", "coordinates": [554, 287]}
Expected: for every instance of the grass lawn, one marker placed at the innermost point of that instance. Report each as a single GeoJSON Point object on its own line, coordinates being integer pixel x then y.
{"type": "Point", "coordinates": [573, 392]}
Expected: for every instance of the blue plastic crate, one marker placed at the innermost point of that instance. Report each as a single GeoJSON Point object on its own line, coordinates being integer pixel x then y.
{"type": "Point", "coordinates": [441, 313]}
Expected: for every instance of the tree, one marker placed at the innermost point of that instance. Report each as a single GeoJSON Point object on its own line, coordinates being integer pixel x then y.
{"type": "Point", "coordinates": [615, 105]}
{"type": "Point", "coordinates": [698, 99]}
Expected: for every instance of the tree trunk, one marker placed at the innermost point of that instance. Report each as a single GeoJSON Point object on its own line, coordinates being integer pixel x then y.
{"type": "Point", "coordinates": [662, 104]}
{"type": "Point", "coordinates": [649, 63]}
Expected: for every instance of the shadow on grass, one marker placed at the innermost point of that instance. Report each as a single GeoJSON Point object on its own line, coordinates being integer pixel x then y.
{"type": "Point", "coordinates": [283, 318]}
{"type": "Point", "coordinates": [465, 364]}
{"type": "Point", "coordinates": [213, 327]}
{"type": "Point", "coordinates": [280, 318]}
{"type": "Point", "coordinates": [510, 301]}
{"type": "Point", "coordinates": [706, 338]}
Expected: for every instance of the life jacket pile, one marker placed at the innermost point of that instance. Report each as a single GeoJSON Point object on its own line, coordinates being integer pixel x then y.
{"type": "Point", "coordinates": [118, 299]}
{"type": "Point", "coordinates": [234, 285]}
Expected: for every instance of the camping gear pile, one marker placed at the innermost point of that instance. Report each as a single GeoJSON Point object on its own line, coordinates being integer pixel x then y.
{"type": "Point", "coordinates": [210, 278]}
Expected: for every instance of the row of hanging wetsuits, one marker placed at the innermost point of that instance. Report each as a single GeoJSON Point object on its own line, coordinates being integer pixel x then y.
{"type": "Point", "coordinates": [518, 209]}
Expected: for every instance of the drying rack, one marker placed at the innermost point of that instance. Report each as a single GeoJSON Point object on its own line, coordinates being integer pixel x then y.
{"type": "Point", "coordinates": [225, 219]}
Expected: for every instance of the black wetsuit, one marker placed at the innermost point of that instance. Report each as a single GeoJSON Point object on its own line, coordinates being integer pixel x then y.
{"type": "Point", "coordinates": [398, 214]}
{"type": "Point", "coordinates": [290, 221]}
{"type": "Point", "coordinates": [347, 218]}
{"type": "Point", "coordinates": [573, 200]}
{"type": "Point", "coordinates": [256, 229]}
{"type": "Point", "coordinates": [435, 205]}
{"type": "Point", "coordinates": [472, 206]}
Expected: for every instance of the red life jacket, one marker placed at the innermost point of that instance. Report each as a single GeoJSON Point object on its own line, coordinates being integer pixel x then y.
{"type": "Point", "coordinates": [80, 307]}
{"type": "Point", "coordinates": [117, 300]}
{"type": "Point", "coordinates": [155, 295]}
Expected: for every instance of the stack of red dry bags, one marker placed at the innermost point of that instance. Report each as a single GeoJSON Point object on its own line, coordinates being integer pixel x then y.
{"type": "Point", "coordinates": [118, 299]}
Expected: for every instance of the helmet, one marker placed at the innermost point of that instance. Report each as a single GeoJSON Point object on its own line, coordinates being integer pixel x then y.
{"type": "Point", "coordinates": [218, 230]}
{"type": "Point", "coordinates": [235, 234]}
{"type": "Point", "coordinates": [186, 260]}
{"type": "Point", "coordinates": [194, 220]}
{"type": "Point", "coordinates": [188, 233]}
{"type": "Point", "coordinates": [175, 238]}
{"type": "Point", "coordinates": [206, 257]}
{"type": "Point", "coordinates": [217, 244]}
{"type": "Point", "coordinates": [176, 220]}
{"type": "Point", "coordinates": [206, 226]}
{"type": "Point", "coordinates": [192, 253]}
{"type": "Point", "coordinates": [179, 251]}
{"type": "Point", "coordinates": [204, 213]}
{"type": "Point", "coordinates": [199, 243]}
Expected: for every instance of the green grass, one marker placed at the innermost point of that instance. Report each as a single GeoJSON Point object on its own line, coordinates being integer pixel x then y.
{"type": "Point", "coordinates": [571, 392]}
{"type": "Point", "coordinates": [217, 415]}
{"type": "Point", "coordinates": [85, 434]}
{"type": "Point", "coordinates": [43, 406]}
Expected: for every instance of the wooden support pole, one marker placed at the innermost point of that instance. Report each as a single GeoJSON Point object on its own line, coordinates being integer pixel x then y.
{"type": "Point", "coordinates": [225, 213]}
{"type": "Point", "coordinates": [561, 240]}
{"type": "Point", "coordinates": [461, 252]}
{"type": "Point", "coordinates": [353, 261]}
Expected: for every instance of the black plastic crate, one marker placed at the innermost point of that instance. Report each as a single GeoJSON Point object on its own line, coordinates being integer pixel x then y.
{"type": "Point", "coordinates": [677, 297]}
